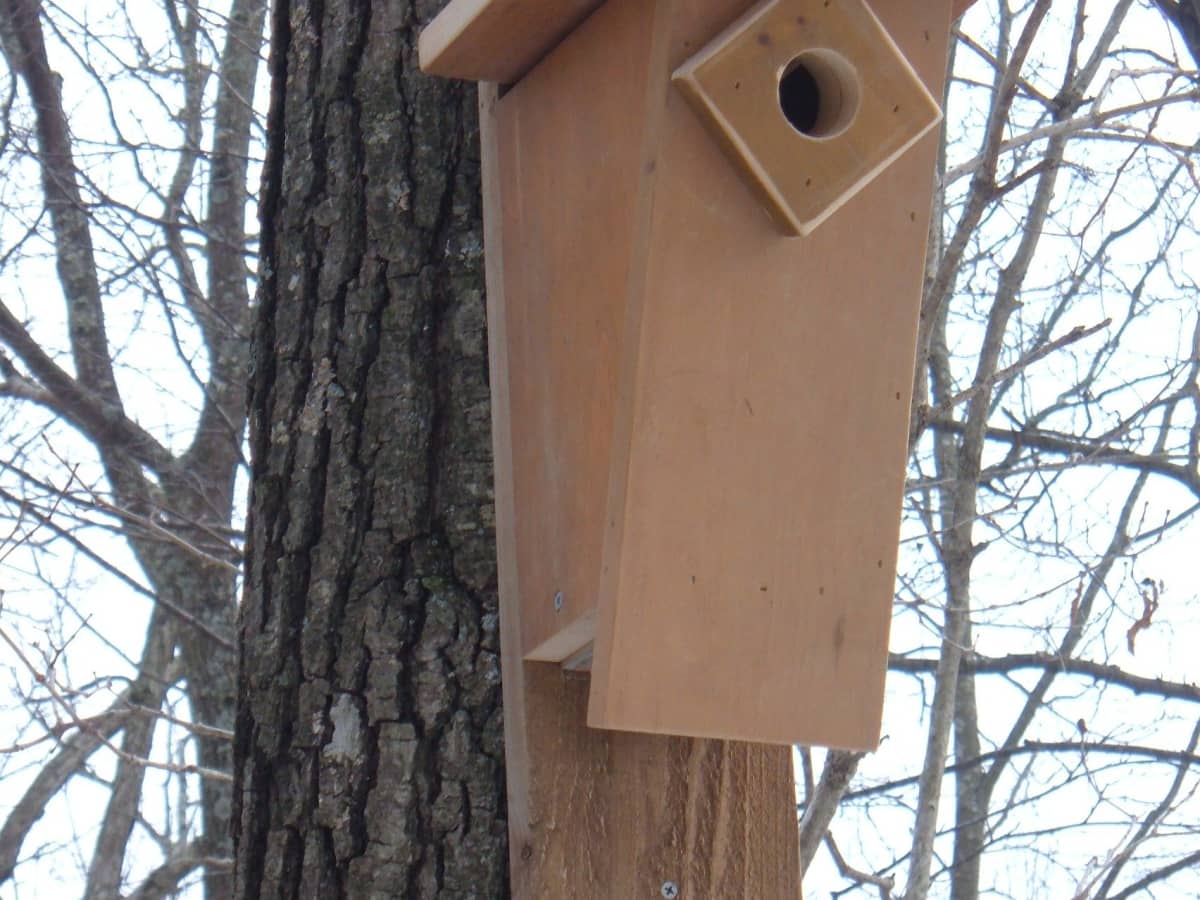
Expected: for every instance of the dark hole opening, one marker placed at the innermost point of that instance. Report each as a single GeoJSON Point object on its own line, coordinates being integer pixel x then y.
{"type": "Point", "coordinates": [800, 98]}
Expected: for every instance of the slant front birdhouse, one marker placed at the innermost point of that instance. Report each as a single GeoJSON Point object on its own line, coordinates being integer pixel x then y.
{"type": "Point", "coordinates": [701, 416]}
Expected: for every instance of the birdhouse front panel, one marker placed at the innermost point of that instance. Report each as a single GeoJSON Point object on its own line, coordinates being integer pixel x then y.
{"type": "Point", "coordinates": [750, 575]}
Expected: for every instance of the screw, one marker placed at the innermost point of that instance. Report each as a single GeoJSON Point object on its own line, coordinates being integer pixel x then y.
{"type": "Point", "coordinates": [670, 890]}
{"type": "Point", "coordinates": [558, 602]}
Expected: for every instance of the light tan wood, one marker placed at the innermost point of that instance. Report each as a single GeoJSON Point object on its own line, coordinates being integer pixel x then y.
{"type": "Point", "coordinates": [595, 815]}
{"type": "Point", "coordinates": [619, 814]}
{"type": "Point", "coordinates": [571, 166]}
{"type": "Point", "coordinates": [501, 40]}
{"type": "Point", "coordinates": [748, 575]}
{"type": "Point", "coordinates": [496, 40]}
{"type": "Point", "coordinates": [872, 105]}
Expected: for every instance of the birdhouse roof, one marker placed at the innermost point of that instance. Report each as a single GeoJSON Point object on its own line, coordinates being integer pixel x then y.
{"type": "Point", "coordinates": [501, 40]}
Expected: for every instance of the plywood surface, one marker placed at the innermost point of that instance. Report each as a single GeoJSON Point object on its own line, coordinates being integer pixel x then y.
{"type": "Point", "coordinates": [496, 40]}
{"type": "Point", "coordinates": [749, 574]}
{"type": "Point", "coordinates": [595, 815]}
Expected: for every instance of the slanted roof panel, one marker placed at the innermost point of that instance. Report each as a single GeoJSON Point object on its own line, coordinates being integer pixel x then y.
{"type": "Point", "coordinates": [497, 40]}
{"type": "Point", "coordinates": [501, 40]}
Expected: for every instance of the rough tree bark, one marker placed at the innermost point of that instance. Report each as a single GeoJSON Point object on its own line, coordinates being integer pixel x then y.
{"type": "Point", "coordinates": [368, 756]}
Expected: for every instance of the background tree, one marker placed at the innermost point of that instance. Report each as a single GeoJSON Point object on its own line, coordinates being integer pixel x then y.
{"type": "Point", "coordinates": [1053, 480]}
{"type": "Point", "coordinates": [125, 139]}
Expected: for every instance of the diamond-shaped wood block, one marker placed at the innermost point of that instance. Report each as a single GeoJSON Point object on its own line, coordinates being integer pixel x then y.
{"type": "Point", "coordinates": [811, 99]}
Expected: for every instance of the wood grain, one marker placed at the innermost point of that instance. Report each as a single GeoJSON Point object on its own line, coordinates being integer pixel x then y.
{"type": "Point", "coordinates": [621, 813]}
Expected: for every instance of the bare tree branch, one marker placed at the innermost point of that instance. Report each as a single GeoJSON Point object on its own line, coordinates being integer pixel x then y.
{"type": "Point", "coordinates": [1153, 819]}
{"type": "Point", "coordinates": [75, 255]}
{"type": "Point", "coordinates": [164, 881]}
{"type": "Point", "coordinates": [88, 736]}
{"type": "Point", "coordinates": [99, 419]}
{"type": "Point", "coordinates": [1049, 662]}
{"type": "Point", "coordinates": [822, 804]}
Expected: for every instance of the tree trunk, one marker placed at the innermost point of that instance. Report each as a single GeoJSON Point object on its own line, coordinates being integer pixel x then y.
{"type": "Point", "coordinates": [369, 748]}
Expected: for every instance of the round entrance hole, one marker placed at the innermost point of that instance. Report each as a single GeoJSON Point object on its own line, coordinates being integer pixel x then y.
{"type": "Point", "coordinates": [818, 93]}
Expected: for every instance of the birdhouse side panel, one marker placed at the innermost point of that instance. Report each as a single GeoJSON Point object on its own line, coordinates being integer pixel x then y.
{"type": "Point", "coordinates": [569, 143]}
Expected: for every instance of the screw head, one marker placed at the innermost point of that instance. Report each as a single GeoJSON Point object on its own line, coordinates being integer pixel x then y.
{"type": "Point", "coordinates": [670, 890]}
{"type": "Point", "coordinates": [558, 601]}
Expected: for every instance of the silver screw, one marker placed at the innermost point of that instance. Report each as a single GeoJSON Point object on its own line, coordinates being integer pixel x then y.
{"type": "Point", "coordinates": [670, 890]}
{"type": "Point", "coordinates": [558, 602]}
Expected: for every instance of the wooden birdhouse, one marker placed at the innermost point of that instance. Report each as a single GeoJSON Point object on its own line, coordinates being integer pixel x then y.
{"type": "Point", "coordinates": [707, 222]}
